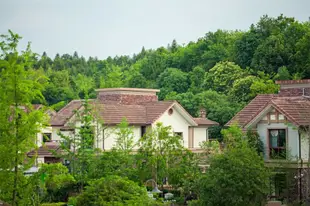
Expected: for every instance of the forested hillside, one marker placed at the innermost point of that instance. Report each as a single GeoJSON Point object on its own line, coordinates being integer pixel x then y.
{"type": "Point", "coordinates": [221, 71]}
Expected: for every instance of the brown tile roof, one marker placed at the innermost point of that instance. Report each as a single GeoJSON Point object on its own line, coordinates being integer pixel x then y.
{"type": "Point", "coordinates": [111, 113]}
{"type": "Point", "coordinates": [155, 109]}
{"type": "Point", "coordinates": [114, 113]}
{"type": "Point", "coordinates": [65, 113]}
{"type": "Point", "coordinates": [296, 109]}
{"type": "Point", "coordinates": [251, 110]}
{"type": "Point", "coordinates": [46, 150]}
{"type": "Point", "coordinates": [205, 121]}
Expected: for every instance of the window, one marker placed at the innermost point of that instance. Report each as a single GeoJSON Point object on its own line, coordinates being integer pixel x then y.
{"type": "Point", "coordinates": [143, 130]}
{"type": "Point", "coordinates": [46, 137]}
{"type": "Point", "coordinates": [180, 134]}
{"type": "Point", "coordinates": [277, 143]}
{"type": "Point", "coordinates": [170, 111]}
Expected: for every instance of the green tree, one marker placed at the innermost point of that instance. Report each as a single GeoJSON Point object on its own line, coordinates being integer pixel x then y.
{"type": "Point", "coordinates": [173, 79]}
{"type": "Point", "coordinates": [52, 182]}
{"type": "Point", "coordinates": [238, 176]}
{"type": "Point", "coordinates": [264, 85]}
{"type": "Point", "coordinates": [283, 74]}
{"type": "Point", "coordinates": [114, 190]}
{"type": "Point", "coordinates": [114, 162]}
{"type": "Point", "coordinates": [79, 148]}
{"type": "Point", "coordinates": [196, 79]}
{"type": "Point", "coordinates": [222, 76]}
{"type": "Point", "coordinates": [19, 122]}
{"type": "Point", "coordinates": [124, 140]}
{"type": "Point", "coordinates": [161, 155]}
{"type": "Point", "coordinates": [83, 84]}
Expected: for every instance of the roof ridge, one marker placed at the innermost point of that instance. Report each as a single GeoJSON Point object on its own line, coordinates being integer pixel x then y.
{"type": "Point", "coordinates": [158, 116]}
{"type": "Point", "coordinates": [236, 116]}
{"type": "Point", "coordinates": [74, 100]}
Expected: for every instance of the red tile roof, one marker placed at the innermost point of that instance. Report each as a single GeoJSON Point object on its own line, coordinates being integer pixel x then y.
{"type": "Point", "coordinates": [112, 113]}
{"type": "Point", "coordinates": [296, 109]}
{"type": "Point", "coordinates": [66, 113]}
{"type": "Point", "coordinates": [205, 121]}
{"type": "Point", "coordinates": [46, 150]}
{"type": "Point", "coordinates": [251, 110]}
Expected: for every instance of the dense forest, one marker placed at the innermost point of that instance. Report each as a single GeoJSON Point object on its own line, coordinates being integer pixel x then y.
{"type": "Point", "coordinates": [221, 71]}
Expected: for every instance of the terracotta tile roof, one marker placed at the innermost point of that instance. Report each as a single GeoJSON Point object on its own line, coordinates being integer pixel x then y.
{"type": "Point", "coordinates": [205, 121]}
{"type": "Point", "coordinates": [111, 113]}
{"type": "Point", "coordinates": [45, 150]}
{"type": "Point", "coordinates": [296, 109]}
{"type": "Point", "coordinates": [155, 109]}
{"type": "Point", "coordinates": [251, 110]}
{"type": "Point", "coordinates": [65, 113]}
{"type": "Point", "coordinates": [114, 113]}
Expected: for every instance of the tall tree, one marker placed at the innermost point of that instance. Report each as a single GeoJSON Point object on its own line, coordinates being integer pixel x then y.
{"type": "Point", "coordinates": [19, 122]}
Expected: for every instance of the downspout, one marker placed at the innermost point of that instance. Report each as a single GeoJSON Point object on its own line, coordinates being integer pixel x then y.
{"type": "Point", "coordinates": [300, 168]}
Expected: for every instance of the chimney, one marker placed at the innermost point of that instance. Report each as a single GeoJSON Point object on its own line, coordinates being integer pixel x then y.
{"type": "Point", "coordinates": [128, 96]}
{"type": "Point", "coordinates": [203, 113]}
{"type": "Point", "coordinates": [294, 87]}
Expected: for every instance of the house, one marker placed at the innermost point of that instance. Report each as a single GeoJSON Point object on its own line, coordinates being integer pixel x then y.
{"type": "Point", "coordinates": [141, 109]}
{"type": "Point", "coordinates": [279, 120]}
{"type": "Point", "coordinates": [282, 121]}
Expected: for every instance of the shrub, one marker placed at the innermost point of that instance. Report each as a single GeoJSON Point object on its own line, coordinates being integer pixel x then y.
{"type": "Point", "coordinates": [113, 190]}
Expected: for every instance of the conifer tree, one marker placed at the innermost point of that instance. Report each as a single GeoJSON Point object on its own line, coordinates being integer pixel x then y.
{"type": "Point", "coordinates": [19, 122]}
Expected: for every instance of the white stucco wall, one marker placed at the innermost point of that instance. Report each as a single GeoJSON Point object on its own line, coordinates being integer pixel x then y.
{"type": "Point", "coordinates": [304, 147]}
{"type": "Point", "coordinates": [107, 140]}
{"type": "Point", "coordinates": [200, 135]}
{"type": "Point", "coordinates": [40, 160]}
{"type": "Point", "coordinates": [40, 135]}
{"type": "Point", "coordinates": [177, 122]}
{"type": "Point", "coordinates": [110, 137]}
{"type": "Point", "coordinates": [292, 143]}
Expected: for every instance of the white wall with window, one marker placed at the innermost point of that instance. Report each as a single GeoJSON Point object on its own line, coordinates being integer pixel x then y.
{"type": "Point", "coordinates": [43, 135]}
{"type": "Point", "coordinates": [177, 122]}
{"type": "Point", "coordinates": [280, 140]}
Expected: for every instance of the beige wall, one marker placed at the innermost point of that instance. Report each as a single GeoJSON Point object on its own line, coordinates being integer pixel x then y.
{"type": "Point", "coordinates": [178, 124]}
{"type": "Point", "coordinates": [292, 143]}
{"type": "Point", "coordinates": [175, 120]}
{"type": "Point", "coordinates": [40, 135]}
{"type": "Point", "coordinates": [200, 135]}
{"type": "Point", "coordinates": [110, 137]}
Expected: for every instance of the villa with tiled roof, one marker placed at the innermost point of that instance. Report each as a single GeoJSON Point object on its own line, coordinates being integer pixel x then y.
{"type": "Point", "coordinates": [141, 109]}
{"type": "Point", "coordinates": [278, 118]}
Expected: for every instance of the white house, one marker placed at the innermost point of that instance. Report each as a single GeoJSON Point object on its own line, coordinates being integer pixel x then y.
{"type": "Point", "coordinates": [141, 109]}
{"type": "Point", "coordinates": [279, 119]}
{"type": "Point", "coordinates": [282, 121]}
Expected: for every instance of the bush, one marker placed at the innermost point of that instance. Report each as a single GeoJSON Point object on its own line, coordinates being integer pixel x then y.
{"type": "Point", "coordinates": [236, 177]}
{"type": "Point", "coordinates": [54, 204]}
{"type": "Point", "coordinates": [113, 190]}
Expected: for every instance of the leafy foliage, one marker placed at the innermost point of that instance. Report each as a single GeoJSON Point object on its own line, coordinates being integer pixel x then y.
{"type": "Point", "coordinates": [19, 122]}
{"type": "Point", "coordinates": [113, 190]}
{"type": "Point", "coordinates": [238, 176]}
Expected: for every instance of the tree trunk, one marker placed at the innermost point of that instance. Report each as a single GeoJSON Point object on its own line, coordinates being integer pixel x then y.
{"type": "Point", "coordinates": [14, 198]}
